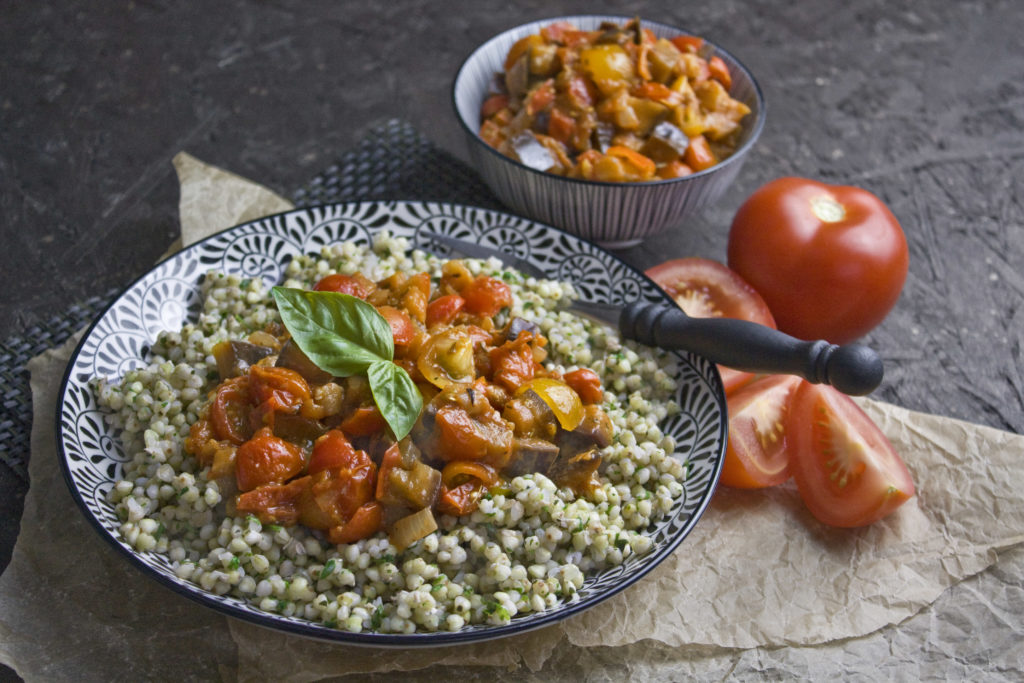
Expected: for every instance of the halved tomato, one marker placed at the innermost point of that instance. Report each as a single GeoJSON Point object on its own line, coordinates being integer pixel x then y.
{"type": "Point", "coordinates": [847, 471]}
{"type": "Point", "coordinates": [757, 454]}
{"type": "Point", "coordinates": [707, 289]}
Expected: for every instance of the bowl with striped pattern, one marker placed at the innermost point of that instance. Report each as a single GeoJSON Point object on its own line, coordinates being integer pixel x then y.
{"type": "Point", "coordinates": [614, 215]}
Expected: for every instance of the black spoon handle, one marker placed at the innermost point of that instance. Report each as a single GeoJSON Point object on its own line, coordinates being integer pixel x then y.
{"type": "Point", "coordinates": [852, 369]}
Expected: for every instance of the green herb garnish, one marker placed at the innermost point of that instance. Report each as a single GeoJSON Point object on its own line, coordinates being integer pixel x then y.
{"type": "Point", "coordinates": [344, 335]}
{"type": "Point", "coordinates": [327, 570]}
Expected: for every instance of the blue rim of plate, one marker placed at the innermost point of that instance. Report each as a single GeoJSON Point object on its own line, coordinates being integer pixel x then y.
{"type": "Point", "coordinates": [166, 297]}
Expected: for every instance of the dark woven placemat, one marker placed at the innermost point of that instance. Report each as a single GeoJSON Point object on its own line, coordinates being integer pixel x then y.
{"type": "Point", "coordinates": [391, 161]}
{"type": "Point", "coordinates": [15, 353]}
{"type": "Point", "coordinates": [394, 161]}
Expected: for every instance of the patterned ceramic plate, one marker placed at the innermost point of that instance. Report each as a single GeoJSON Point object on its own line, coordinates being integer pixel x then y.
{"type": "Point", "coordinates": [168, 296]}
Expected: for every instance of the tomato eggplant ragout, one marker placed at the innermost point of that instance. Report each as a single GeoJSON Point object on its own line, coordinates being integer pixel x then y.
{"type": "Point", "coordinates": [534, 457]}
{"type": "Point", "coordinates": [615, 104]}
{"type": "Point", "coordinates": [307, 447]}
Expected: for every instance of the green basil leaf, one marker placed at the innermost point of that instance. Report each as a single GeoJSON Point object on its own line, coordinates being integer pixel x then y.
{"type": "Point", "coordinates": [341, 334]}
{"type": "Point", "coordinates": [396, 396]}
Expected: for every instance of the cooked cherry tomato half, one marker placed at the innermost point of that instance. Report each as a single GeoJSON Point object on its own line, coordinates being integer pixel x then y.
{"type": "Point", "coordinates": [458, 472]}
{"type": "Point", "coordinates": [586, 383]}
{"type": "Point", "coordinates": [356, 285]}
{"type": "Point", "coordinates": [402, 329]}
{"type": "Point", "coordinates": [448, 355]}
{"type": "Point", "coordinates": [513, 363]}
{"type": "Point", "coordinates": [273, 503]}
{"type": "Point", "coordinates": [364, 421]}
{"type": "Point", "coordinates": [829, 260]}
{"type": "Point", "coordinates": [485, 296]}
{"type": "Point", "coordinates": [461, 500]}
{"type": "Point", "coordinates": [266, 459]}
{"type": "Point", "coordinates": [443, 309]}
{"type": "Point", "coordinates": [364, 523]}
{"type": "Point", "coordinates": [333, 450]}
{"type": "Point", "coordinates": [229, 410]}
{"type": "Point", "coordinates": [286, 389]}
{"type": "Point", "coordinates": [707, 289]}
{"type": "Point", "coordinates": [757, 455]}
{"type": "Point", "coordinates": [846, 470]}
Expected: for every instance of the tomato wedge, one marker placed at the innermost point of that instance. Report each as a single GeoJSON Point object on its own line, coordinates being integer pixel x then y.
{"type": "Point", "coordinates": [757, 455]}
{"type": "Point", "coordinates": [846, 470]}
{"type": "Point", "coordinates": [707, 289]}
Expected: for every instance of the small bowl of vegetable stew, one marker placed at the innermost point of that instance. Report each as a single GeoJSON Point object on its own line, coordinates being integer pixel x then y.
{"type": "Point", "coordinates": [611, 128]}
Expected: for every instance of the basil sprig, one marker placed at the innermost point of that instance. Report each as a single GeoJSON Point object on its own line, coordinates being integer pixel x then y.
{"type": "Point", "coordinates": [343, 335]}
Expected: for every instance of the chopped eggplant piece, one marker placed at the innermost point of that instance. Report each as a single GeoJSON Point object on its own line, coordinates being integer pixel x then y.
{"type": "Point", "coordinates": [533, 154]}
{"type": "Point", "coordinates": [517, 78]}
{"type": "Point", "coordinates": [648, 114]}
{"type": "Point", "coordinates": [410, 453]}
{"type": "Point", "coordinates": [540, 122]}
{"type": "Point", "coordinates": [234, 357]}
{"type": "Point", "coordinates": [604, 132]}
{"type": "Point", "coordinates": [293, 358]}
{"type": "Point", "coordinates": [594, 430]}
{"type": "Point", "coordinates": [497, 84]}
{"type": "Point", "coordinates": [544, 59]}
{"type": "Point", "coordinates": [412, 488]}
{"type": "Point", "coordinates": [575, 471]}
{"type": "Point", "coordinates": [530, 455]}
{"type": "Point", "coordinates": [425, 427]}
{"type": "Point", "coordinates": [298, 429]}
{"type": "Point", "coordinates": [613, 34]}
{"type": "Point", "coordinates": [638, 34]}
{"type": "Point", "coordinates": [517, 325]}
{"type": "Point", "coordinates": [667, 143]}
{"type": "Point", "coordinates": [530, 416]}
{"type": "Point", "coordinates": [662, 60]}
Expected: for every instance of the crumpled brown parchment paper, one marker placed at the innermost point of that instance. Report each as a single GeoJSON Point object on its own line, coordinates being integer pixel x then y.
{"type": "Point", "coordinates": [759, 586]}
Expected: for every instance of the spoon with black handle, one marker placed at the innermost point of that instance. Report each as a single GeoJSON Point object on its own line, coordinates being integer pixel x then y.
{"type": "Point", "coordinates": [852, 369]}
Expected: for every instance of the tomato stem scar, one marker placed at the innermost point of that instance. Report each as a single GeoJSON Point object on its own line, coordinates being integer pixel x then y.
{"type": "Point", "coordinates": [827, 209]}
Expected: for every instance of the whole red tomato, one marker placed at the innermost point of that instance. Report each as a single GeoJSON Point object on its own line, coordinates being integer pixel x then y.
{"type": "Point", "coordinates": [829, 260]}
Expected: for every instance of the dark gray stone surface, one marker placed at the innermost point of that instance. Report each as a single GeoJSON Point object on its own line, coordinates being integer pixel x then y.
{"type": "Point", "coordinates": [921, 103]}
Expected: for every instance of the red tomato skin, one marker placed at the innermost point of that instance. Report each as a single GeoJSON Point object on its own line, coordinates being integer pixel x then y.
{"type": "Point", "coordinates": [365, 522]}
{"type": "Point", "coordinates": [485, 296]}
{"type": "Point", "coordinates": [822, 280]}
{"type": "Point", "coordinates": [753, 459]}
{"type": "Point", "coordinates": [266, 459]}
{"type": "Point", "coordinates": [730, 294]}
{"type": "Point", "coordinates": [229, 411]}
{"type": "Point", "coordinates": [877, 482]}
{"type": "Point", "coordinates": [586, 383]}
{"type": "Point", "coordinates": [364, 421]}
{"type": "Point", "coordinates": [345, 284]}
{"type": "Point", "coordinates": [443, 309]}
{"type": "Point", "coordinates": [333, 450]}
{"type": "Point", "coordinates": [402, 329]}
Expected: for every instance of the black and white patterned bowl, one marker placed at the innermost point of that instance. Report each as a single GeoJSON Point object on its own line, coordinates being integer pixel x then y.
{"type": "Point", "coordinates": [92, 456]}
{"type": "Point", "coordinates": [615, 215]}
